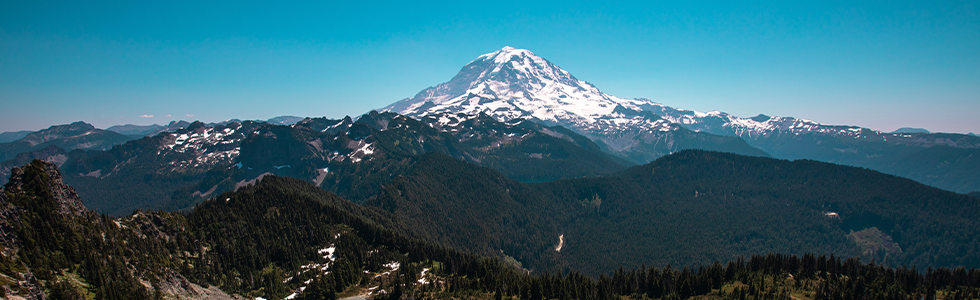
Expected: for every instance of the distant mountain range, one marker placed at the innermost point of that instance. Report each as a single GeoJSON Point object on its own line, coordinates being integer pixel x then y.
{"type": "Point", "coordinates": [138, 131]}
{"type": "Point", "coordinates": [500, 100]}
{"type": "Point", "coordinates": [54, 144]}
{"type": "Point", "coordinates": [510, 85]}
{"type": "Point", "coordinates": [7, 137]}
{"type": "Point", "coordinates": [78, 135]}
{"type": "Point", "coordinates": [284, 120]}
{"type": "Point", "coordinates": [52, 154]}
{"type": "Point", "coordinates": [514, 160]}
{"type": "Point", "coordinates": [351, 158]}
{"type": "Point", "coordinates": [514, 83]}
{"type": "Point", "coordinates": [68, 136]}
{"type": "Point", "coordinates": [910, 130]}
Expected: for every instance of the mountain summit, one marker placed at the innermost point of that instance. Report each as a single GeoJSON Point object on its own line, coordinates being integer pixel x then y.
{"type": "Point", "coordinates": [514, 83]}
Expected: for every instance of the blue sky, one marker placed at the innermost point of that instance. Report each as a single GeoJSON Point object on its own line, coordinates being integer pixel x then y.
{"type": "Point", "coordinates": [881, 65]}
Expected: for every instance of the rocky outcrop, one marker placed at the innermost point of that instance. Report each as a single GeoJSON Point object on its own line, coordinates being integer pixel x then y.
{"type": "Point", "coordinates": [177, 285]}
{"type": "Point", "coordinates": [68, 202]}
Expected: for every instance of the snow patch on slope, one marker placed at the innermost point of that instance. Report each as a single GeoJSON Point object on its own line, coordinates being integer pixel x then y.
{"type": "Point", "coordinates": [207, 146]}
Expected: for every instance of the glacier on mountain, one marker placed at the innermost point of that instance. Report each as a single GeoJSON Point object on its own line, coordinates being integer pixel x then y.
{"type": "Point", "coordinates": [511, 83]}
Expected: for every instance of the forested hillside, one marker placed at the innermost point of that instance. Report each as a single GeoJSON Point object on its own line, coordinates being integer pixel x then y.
{"type": "Point", "coordinates": [956, 167]}
{"type": "Point", "coordinates": [285, 238]}
{"type": "Point", "coordinates": [280, 238]}
{"type": "Point", "coordinates": [692, 207]}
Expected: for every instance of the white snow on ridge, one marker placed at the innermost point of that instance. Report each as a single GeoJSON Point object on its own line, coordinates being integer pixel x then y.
{"type": "Point", "coordinates": [520, 84]}
{"type": "Point", "coordinates": [329, 253]}
{"type": "Point", "coordinates": [209, 146]}
{"type": "Point", "coordinates": [512, 83]}
{"type": "Point", "coordinates": [358, 154]}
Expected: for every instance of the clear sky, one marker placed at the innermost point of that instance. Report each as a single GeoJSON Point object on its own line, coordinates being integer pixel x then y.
{"type": "Point", "coordinates": [882, 65]}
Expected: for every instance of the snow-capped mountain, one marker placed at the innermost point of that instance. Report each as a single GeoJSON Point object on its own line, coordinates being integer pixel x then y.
{"type": "Point", "coordinates": [512, 83]}
{"type": "Point", "coordinates": [763, 126]}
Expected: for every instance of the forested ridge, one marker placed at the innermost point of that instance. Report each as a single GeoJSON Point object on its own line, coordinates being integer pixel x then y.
{"type": "Point", "coordinates": [174, 171]}
{"type": "Point", "coordinates": [693, 207]}
{"type": "Point", "coordinates": [285, 237]}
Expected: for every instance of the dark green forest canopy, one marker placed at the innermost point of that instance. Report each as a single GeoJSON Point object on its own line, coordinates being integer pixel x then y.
{"type": "Point", "coordinates": [252, 241]}
{"type": "Point", "coordinates": [692, 207]}
{"type": "Point", "coordinates": [247, 242]}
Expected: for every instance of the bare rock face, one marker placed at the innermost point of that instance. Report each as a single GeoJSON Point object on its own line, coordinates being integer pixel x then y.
{"type": "Point", "coordinates": [8, 217]}
{"type": "Point", "coordinates": [68, 202]}
{"type": "Point", "coordinates": [178, 286]}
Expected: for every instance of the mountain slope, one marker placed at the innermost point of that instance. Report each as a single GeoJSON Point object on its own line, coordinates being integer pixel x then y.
{"type": "Point", "coordinates": [139, 131]}
{"type": "Point", "coordinates": [78, 135]}
{"type": "Point", "coordinates": [953, 168]}
{"type": "Point", "coordinates": [692, 207]}
{"type": "Point", "coordinates": [525, 151]}
{"type": "Point", "coordinates": [279, 238]}
{"type": "Point", "coordinates": [141, 174]}
{"type": "Point", "coordinates": [791, 138]}
{"type": "Point", "coordinates": [284, 120]}
{"type": "Point", "coordinates": [52, 154]}
{"type": "Point", "coordinates": [174, 171]}
{"type": "Point", "coordinates": [6, 137]}
{"type": "Point", "coordinates": [283, 238]}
